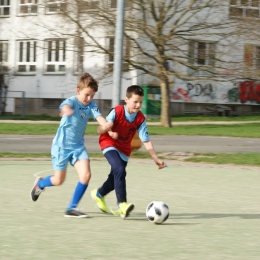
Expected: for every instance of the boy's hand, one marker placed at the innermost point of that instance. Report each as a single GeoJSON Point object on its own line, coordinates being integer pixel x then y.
{"type": "Point", "coordinates": [108, 126]}
{"type": "Point", "coordinates": [160, 164]}
{"type": "Point", "coordinates": [105, 127]}
{"type": "Point", "coordinates": [113, 135]}
{"type": "Point", "coordinates": [66, 111]}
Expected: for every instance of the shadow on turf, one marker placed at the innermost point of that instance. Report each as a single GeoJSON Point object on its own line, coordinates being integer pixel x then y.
{"type": "Point", "coordinates": [136, 216]}
{"type": "Point", "coordinates": [213, 215]}
{"type": "Point", "coordinates": [141, 216]}
{"type": "Point", "coordinates": [165, 223]}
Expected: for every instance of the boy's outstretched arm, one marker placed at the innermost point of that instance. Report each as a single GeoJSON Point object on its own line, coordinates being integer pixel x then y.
{"type": "Point", "coordinates": [104, 126]}
{"type": "Point", "coordinates": [149, 147]}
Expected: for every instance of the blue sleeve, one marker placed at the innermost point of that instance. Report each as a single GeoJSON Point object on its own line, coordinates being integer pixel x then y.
{"type": "Point", "coordinates": [67, 101]}
{"type": "Point", "coordinates": [94, 110]}
{"type": "Point", "coordinates": [111, 116]}
{"type": "Point", "coordinates": [143, 132]}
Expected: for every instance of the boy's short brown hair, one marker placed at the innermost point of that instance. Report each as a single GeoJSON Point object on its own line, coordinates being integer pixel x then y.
{"type": "Point", "coordinates": [134, 89]}
{"type": "Point", "coordinates": [87, 81]}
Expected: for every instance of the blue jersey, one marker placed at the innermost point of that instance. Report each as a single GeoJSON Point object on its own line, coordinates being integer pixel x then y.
{"type": "Point", "coordinates": [70, 134]}
{"type": "Point", "coordinates": [142, 130]}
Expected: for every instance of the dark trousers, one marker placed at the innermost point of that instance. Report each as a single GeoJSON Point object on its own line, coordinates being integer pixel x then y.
{"type": "Point", "coordinates": [116, 178]}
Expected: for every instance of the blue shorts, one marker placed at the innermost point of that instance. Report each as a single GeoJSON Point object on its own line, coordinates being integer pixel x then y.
{"type": "Point", "coordinates": [61, 157]}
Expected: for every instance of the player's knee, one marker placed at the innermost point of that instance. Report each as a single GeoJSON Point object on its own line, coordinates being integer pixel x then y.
{"type": "Point", "coordinates": [119, 170]}
{"type": "Point", "coordinates": [58, 181]}
{"type": "Point", "coordinates": [85, 178]}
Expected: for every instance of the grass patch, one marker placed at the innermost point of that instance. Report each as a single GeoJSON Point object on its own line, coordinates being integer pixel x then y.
{"type": "Point", "coordinates": [42, 117]}
{"type": "Point", "coordinates": [250, 159]}
{"type": "Point", "coordinates": [181, 118]}
{"type": "Point", "coordinates": [215, 118]}
{"type": "Point", "coordinates": [237, 130]}
{"type": "Point", "coordinates": [24, 155]}
{"type": "Point", "coordinates": [30, 117]}
{"type": "Point", "coordinates": [37, 129]}
{"type": "Point", "coordinates": [134, 154]}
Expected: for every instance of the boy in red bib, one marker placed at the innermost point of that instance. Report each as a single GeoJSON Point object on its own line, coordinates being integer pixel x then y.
{"type": "Point", "coordinates": [116, 147]}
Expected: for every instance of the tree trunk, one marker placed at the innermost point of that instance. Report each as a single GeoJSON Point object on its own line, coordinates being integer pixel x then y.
{"type": "Point", "coordinates": [165, 103]}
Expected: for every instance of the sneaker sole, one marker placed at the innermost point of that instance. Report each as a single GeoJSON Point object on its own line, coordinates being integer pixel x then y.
{"type": "Point", "coordinates": [69, 216]}
{"type": "Point", "coordinates": [128, 212]}
{"type": "Point", "coordinates": [35, 182]}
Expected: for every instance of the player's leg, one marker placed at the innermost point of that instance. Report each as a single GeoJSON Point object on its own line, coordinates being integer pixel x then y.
{"type": "Point", "coordinates": [59, 162]}
{"type": "Point", "coordinates": [41, 183]}
{"type": "Point", "coordinates": [107, 186]}
{"type": "Point", "coordinates": [84, 173]}
{"type": "Point", "coordinates": [99, 194]}
{"type": "Point", "coordinates": [81, 163]}
{"type": "Point", "coordinates": [118, 167]}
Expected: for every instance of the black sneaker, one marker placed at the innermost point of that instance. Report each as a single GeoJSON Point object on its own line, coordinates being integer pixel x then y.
{"type": "Point", "coordinates": [36, 190]}
{"type": "Point", "coordinates": [75, 213]}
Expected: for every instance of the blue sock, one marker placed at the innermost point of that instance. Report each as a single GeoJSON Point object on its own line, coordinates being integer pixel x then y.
{"type": "Point", "coordinates": [46, 182]}
{"type": "Point", "coordinates": [99, 195]}
{"type": "Point", "coordinates": [78, 193]}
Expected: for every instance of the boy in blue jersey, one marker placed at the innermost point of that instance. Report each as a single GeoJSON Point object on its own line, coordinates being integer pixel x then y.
{"type": "Point", "coordinates": [68, 143]}
{"type": "Point", "coordinates": [116, 147]}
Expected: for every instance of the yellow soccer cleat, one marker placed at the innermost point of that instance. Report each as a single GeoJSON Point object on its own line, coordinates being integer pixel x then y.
{"type": "Point", "coordinates": [101, 203]}
{"type": "Point", "coordinates": [124, 210]}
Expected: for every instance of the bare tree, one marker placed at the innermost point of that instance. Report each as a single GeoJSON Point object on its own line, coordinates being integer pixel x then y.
{"type": "Point", "coordinates": [170, 39]}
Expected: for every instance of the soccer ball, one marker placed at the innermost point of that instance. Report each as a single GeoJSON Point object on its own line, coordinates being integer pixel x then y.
{"type": "Point", "coordinates": [157, 212]}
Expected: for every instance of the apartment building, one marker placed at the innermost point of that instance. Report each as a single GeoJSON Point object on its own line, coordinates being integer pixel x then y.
{"type": "Point", "coordinates": [44, 50]}
{"type": "Point", "coordinates": [45, 54]}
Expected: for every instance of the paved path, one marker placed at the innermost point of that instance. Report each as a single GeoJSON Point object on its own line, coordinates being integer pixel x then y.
{"type": "Point", "coordinates": [162, 143]}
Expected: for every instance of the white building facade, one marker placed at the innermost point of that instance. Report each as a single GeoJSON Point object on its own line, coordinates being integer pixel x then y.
{"type": "Point", "coordinates": [44, 64]}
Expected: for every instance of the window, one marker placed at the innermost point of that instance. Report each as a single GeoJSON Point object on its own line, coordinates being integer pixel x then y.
{"type": "Point", "coordinates": [201, 54]}
{"type": "Point", "coordinates": [252, 58]}
{"type": "Point", "coordinates": [53, 6]}
{"type": "Point", "coordinates": [55, 55]}
{"type": "Point", "coordinates": [113, 3]}
{"type": "Point", "coordinates": [111, 44]}
{"type": "Point", "coordinates": [244, 8]}
{"type": "Point", "coordinates": [126, 53]}
{"type": "Point", "coordinates": [26, 56]}
{"type": "Point", "coordinates": [88, 6]}
{"type": "Point", "coordinates": [93, 4]}
{"type": "Point", "coordinates": [3, 52]}
{"type": "Point", "coordinates": [78, 54]}
{"type": "Point", "coordinates": [4, 8]}
{"type": "Point", "coordinates": [28, 7]}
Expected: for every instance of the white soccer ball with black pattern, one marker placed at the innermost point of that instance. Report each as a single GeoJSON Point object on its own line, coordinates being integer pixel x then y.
{"type": "Point", "coordinates": [157, 212]}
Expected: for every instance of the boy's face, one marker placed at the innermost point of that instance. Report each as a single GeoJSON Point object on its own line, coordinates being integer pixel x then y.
{"type": "Point", "coordinates": [85, 95]}
{"type": "Point", "coordinates": [134, 103]}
